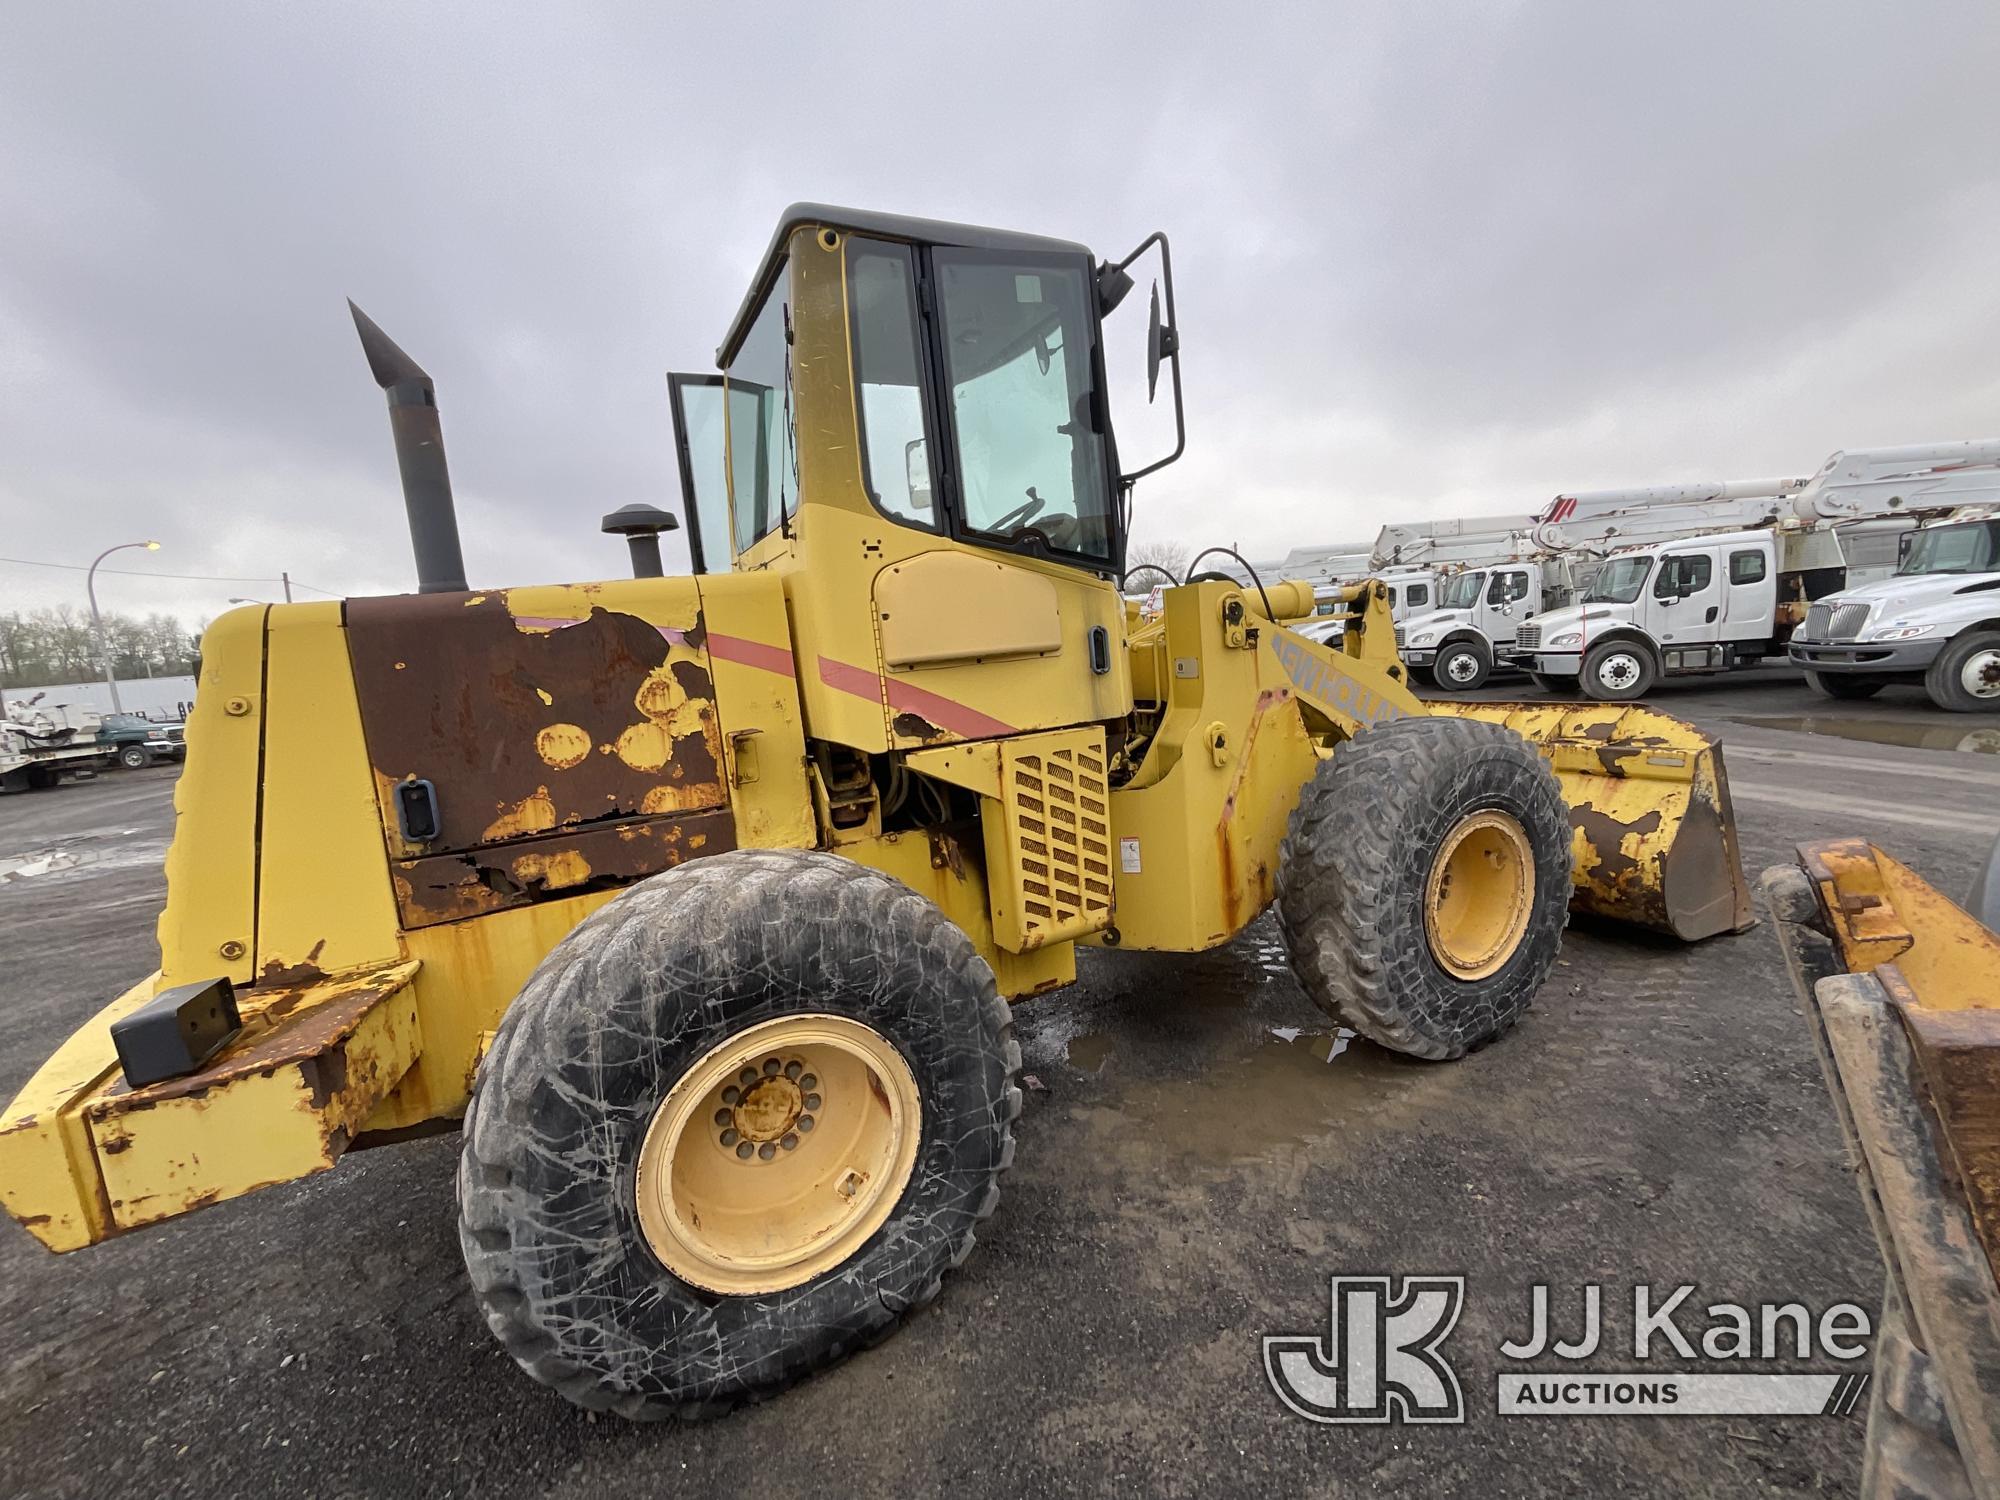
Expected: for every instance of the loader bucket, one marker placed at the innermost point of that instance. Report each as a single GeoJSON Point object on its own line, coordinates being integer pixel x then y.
{"type": "Point", "coordinates": [1901, 990]}
{"type": "Point", "coordinates": [1655, 836]}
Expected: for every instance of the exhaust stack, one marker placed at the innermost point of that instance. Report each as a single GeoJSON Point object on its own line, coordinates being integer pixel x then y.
{"type": "Point", "coordinates": [413, 419]}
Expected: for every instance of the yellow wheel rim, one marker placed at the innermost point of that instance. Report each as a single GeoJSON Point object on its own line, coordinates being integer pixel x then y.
{"type": "Point", "coordinates": [1480, 892]}
{"type": "Point", "coordinates": [778, 1154]}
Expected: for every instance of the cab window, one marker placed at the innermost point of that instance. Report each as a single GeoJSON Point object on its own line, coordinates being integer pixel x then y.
{"type": "Point", "coordinates": [1746, 567]}
{"type": "Point", "coordinates": [763, 463]}
{"type": "Point", "coordinates": [1020, 375]}
{"type": "Point", "coordinates": [1683, 574]}
{"type": "Point", "coordinates": [1506, 588]}
{"type": "Point", "coordinates": [1417, 595]}
{"type": "Point", "coordinates": [889, 383]}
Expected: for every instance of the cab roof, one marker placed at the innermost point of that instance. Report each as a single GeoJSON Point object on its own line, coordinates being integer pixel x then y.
{"type": "Point", "coordinates": [880, 226]}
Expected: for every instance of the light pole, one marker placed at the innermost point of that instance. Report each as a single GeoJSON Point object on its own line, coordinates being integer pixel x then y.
{"type": "Point", "coordinates": [97, 620]}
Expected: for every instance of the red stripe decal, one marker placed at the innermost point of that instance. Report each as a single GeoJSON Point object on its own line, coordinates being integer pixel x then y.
{"type": "Point", "coordinates": [753, 654]}
{"type": "Point", "coordinates": [946, 713]}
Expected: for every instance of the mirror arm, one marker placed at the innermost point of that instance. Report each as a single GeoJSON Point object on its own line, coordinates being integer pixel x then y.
{"type": "Point", "coordinates": [1170, 348]}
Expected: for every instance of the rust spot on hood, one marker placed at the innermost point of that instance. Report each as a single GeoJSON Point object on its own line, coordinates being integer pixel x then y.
{"type": "Point", "coordinates": [281, 975]}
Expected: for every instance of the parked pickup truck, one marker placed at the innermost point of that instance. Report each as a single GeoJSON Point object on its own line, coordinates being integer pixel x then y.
{"type": "Point", "coordinates": [137, 742]}
{"type": "Point", "coordinates": [1936, 620]}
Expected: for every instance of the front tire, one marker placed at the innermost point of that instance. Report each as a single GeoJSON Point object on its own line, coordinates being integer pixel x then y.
{"type": "Point", "coordinates": [1424, 882]}
{"type": "Point", "coordinates": [134, 758]}
{"type": "Point", "coordinates": [641, 1253]}
{"type": "Point", "coordinates": [1461, 666]}
{"type": "Point", "coordinates": [1965, 678]}
{"type": "Point", "coordinates": [1618, 671]}
{"type": "Point", "coordinates": [1844, 686]}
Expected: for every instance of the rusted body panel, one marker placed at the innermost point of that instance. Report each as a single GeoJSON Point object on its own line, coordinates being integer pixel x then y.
{"type": "Point", "coordinates": [537, 733]}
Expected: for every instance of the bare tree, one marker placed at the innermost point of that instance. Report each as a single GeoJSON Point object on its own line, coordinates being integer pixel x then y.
{"type": "Point", "coordinates": [1171, 555]}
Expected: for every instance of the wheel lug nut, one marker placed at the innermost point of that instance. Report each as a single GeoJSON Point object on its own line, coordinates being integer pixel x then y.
{"type": "Point", "coordinates": [805, 1122]}
{"type": "Point", "coordinates": [790, 1142]}
{"type": "Point", "coordinates": [731, 1094]}
{"type": "Point", "coordinates": [747, 1077]}
{"type": "Point", "coordinates": [793, 1069]}
{"type": "Point", "coordinates": [809, 1082]}
{"type": "Point", "coordinates": [724, 1116]}
{"type": "Point", "coordinates": [744, 1150]}
{"type": "Point", "coordinates": [770, 1065]}
{"type": "Point", "coordinates": [729, 1137]}
{"type": "Point", "coordinates": [767, 1151]}
{"type": "Point", "coordinates": [812, 1101]}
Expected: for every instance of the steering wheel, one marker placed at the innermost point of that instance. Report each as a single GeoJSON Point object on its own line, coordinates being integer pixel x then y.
{"type": "Point", "coordinates": [1019, 513]}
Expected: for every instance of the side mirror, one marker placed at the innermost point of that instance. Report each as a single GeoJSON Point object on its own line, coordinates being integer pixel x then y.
{"type": "Point", "coordinates": [1163, 344]}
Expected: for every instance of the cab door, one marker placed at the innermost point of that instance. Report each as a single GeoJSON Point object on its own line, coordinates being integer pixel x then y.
{"type": "Point", "coordinates": [1684, 602]}
{"type": "Point", "coordinates": [1504, 604]}
{"type": "Point", "coordinates": [701, 444]}
{"type": "Point", "coordinates": [1750, 602]}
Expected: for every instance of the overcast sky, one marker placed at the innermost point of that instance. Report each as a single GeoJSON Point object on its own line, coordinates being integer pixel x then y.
{"type": "Point", "coordinates": [1431, 259]}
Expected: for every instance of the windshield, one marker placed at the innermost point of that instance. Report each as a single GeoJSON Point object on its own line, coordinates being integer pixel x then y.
{"type": "Point", "coordinates": [1460, 591]}
{"type": "Point", "coordinates": [1619, 581]}
{"type": "Point", "coordinates": [1971, 548]}
{"type": "Point", "coordinates": [1021, 370]}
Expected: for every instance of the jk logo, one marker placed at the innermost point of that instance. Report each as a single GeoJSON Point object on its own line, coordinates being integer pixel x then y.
{"type": "Point", "coordinates": [1379, 1359]}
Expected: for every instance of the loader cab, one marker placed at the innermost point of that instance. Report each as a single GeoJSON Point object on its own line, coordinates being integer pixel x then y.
{"type": "Point", "coordinates": [908, 423]}
{"type": "Point", "coordinates": [966, 364]}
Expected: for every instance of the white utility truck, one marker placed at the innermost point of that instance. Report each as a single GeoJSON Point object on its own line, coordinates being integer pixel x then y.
{"type": "Point", "coordinates": [1460, 642]}
{"type": "Point", "coordinates": [40, 741]}
{"type": "Point", "coordinates": [1698, 605]}
{"type": "Point", "coordinates": [1936, 620]}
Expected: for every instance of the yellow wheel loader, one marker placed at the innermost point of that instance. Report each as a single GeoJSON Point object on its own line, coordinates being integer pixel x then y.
{"type": "Point", "coordinates": [701, 900]}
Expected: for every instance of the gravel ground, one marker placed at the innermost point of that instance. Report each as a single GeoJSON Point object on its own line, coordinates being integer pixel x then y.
{"type": "Point", "coordinates": [1196, 1157]}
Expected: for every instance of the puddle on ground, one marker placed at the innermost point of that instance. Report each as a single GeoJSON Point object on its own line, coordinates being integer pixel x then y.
{"type": "Point", "coordinates": [1088, 1053]}
{"type": "Point", "coordinates": [85, 855]}
{"type": "Point", "coordinates": [1973, 740]}
{"type": "Point", "coordinates": [40, 862]}
{"type": "Point", "coordinates": [1292, 1089]}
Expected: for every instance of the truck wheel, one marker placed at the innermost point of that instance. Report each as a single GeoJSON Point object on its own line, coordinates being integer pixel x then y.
{"type": "Point", "coordinates": [1555, 687]}
{"type": "Point", "coordinates": [1424, 882]}
{"type": "Point", "coordinates": [1618, 670]}
{"type": "Point", "coordinates": [1461, 666]}
{"type": "Point", "coordinates": [44, 778]}
{"type": "Point", "coordinates": [738, 1123]}
{"type": "Point", "coordinates": [1843, 685]}
{"type": "Point", "coordinates": [134, 758]}
{"type": "Point", "coordinates": [1965, 678]}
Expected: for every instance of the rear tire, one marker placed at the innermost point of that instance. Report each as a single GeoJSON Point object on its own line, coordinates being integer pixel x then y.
{"type": "Point", "coordinates": [1965, 678]}
{"type": "Point", "coordinates": [561, 1196]}
{"type": "Point", "coordinates": [1361, 898]}
{"type": "Point", "coordinates": [1841, 685]}
{"type": "Point", "coordinates": [1618, 671]}
{"type": "Point", "coordinates": [1461, 666]}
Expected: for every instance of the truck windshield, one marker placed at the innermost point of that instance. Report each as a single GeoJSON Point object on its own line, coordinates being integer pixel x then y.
{"type": "Point", "coordinates": [1461, 591]}
{"type": "Point", "coordinates": [1619, 581]}
{"type": "Point", "coordinates": [1971, 548]}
